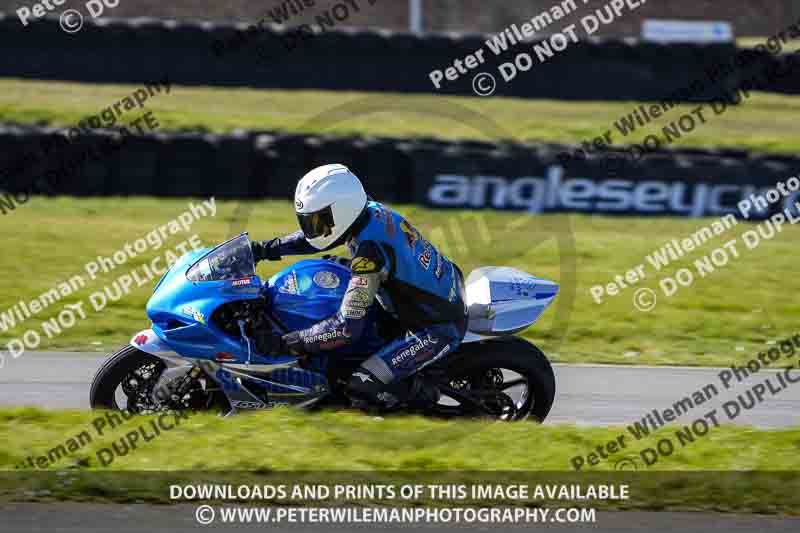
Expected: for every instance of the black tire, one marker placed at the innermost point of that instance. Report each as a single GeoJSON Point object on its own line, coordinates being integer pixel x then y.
{"type": "Point", "coordinates": [111, 374]}
{"type": "Point", "coordinates": [512, 353]}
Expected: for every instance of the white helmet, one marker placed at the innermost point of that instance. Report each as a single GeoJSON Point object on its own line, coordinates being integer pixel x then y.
{"type": "Point", "coordinates": [328, 200]}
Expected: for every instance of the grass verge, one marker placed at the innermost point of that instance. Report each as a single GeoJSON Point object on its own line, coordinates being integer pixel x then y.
{"type": "Point", "coordinates": [765, 122]}
{"type": "Point", "coordinates": [291, 447]}
{"type": "Point", "coordinates": [286, 439]}
{"type": "Point", "coordinates": [725, 317]}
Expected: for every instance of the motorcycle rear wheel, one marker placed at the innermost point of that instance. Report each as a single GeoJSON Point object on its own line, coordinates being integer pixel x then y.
{"type": "Point", "coordinates": [484, 371]}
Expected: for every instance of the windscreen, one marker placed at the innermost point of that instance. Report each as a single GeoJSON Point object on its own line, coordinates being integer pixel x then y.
{"type": "Point", "coordinates": [232, 260]}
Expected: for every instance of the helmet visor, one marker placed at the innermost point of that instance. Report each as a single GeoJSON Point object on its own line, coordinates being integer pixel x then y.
{"type": "Point", "coordinates": [317, 224]}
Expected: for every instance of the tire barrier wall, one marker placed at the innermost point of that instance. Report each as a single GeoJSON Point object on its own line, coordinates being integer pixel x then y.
{"type": "Point", "coordinates": [445, 174]}
{"type": "Point", "coordinates": [138, 51]}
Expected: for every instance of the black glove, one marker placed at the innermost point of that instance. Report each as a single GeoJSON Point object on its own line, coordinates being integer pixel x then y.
{"type": "Point", "coordinates": [293, 343]}
{"type": "Point", "coordinates": [266, 250]}
{"type": "Point", "coordinates": [269, 342]}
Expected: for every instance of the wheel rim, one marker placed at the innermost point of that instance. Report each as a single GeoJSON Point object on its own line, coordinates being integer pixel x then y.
{"type": "Point", "coordinates": [505, 392]}
{"type": "Point", "coordinates": [517, 386]}
{"type": "Point", "coordinates": [134, 392]}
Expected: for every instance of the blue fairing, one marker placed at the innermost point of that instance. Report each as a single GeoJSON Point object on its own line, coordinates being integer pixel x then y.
{"type": "Point", "coordinates": [184, 311]}
{"type": "Point", "coordinates": [312, 290]}
{"type": "Point", "coordinates": [181, 310]}
{"type": "Point", "coordinates": [298, 301]}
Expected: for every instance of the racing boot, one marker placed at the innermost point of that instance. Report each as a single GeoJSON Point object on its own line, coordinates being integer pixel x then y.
{"type": "Point", "coordinates": [422, 393]}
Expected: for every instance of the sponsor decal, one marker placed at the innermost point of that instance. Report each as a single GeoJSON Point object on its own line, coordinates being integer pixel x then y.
{"type": "Point", "coordinates": [358, 305]}
{"type": "Point", "coordinates": [552, 192]}
{"type": "Point", "coordinates": [140, 340]}
{"type": "Point", "coordinates": [363, 265]}
{"type": "Point", "coordinates": [298, 204]}
{"type": "Point", "coordinates": [426, 256]}
{"type": "Point", "coordinates": [289, 284]}
{"type": "Point", "coordinates": [188, 310]}
{"type": "Point", "coordinates": [241, 282]}
{"type": "Point", "coordinates": [327, 336]}
{"type": "Point", "coordinates": [248, 405]}
{"type": "Point", "coordinates": [199, 316]}
{"type": "Point", "coordinates": [414, 349]}
{"type": "Point", "coordinates": [359, 281]}
{"type": "Point", "coordinates": [354, 313]}
{"type": "Point", "coordinates": [327, 279]}
{"type": "Point", "coordinates": [358, 295]}
{"type": "Point", "coordinates": [412, 235]}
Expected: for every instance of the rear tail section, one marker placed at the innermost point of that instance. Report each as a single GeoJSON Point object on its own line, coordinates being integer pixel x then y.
{"type": "Point", "coordinates": [505, 301]}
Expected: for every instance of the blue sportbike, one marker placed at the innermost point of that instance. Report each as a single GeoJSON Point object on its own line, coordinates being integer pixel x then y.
{"type": "Point", "coordinates": [200, 353]}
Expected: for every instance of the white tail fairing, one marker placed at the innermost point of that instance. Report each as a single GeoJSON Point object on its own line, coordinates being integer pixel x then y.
{"type": "Point", "coordinates": [504, 300]}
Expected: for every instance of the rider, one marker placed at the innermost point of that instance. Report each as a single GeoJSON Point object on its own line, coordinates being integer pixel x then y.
{"type": "Point", "coordinates": [393, 264]}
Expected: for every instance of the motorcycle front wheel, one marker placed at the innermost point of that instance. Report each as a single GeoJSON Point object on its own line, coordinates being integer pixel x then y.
{"type": "Point", "coordinates": [127, 381]}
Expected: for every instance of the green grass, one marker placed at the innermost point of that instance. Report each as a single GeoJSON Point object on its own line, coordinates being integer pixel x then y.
{"type": "Point", "coordinates": [765, 122]}
{"type": "Point", "coordinates": [752, 42]}
{"type": "Point", "coordinates": [344, 441]}
{"type": "Point", "coordinates": [721, 319]}
{"type": "Point", "coordinates": [285, 446]}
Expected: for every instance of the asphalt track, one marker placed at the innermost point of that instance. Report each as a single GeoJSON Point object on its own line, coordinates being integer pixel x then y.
{"type": "Point", "coordinates": [586, 394]}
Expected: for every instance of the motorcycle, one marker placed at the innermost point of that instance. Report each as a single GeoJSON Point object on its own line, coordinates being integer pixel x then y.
{"type": "Point", "coordinates": [200, 353]}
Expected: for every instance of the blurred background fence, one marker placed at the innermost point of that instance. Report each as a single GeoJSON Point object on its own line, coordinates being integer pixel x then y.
{"type": "Point", "coordinates": [132, 50]}
{"type": "Point", "coordinates": [446, 174]}
{"type": "Point", "coordinates": [749, 17]}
